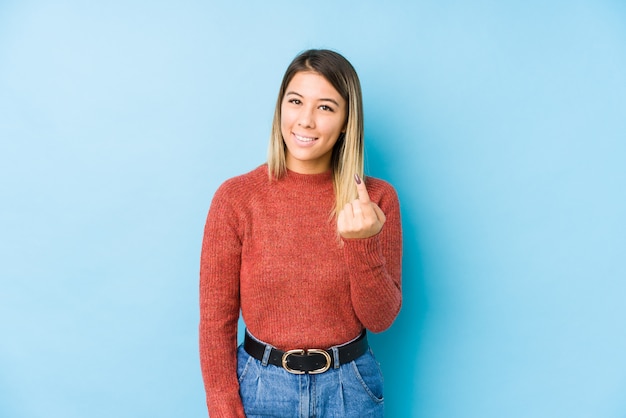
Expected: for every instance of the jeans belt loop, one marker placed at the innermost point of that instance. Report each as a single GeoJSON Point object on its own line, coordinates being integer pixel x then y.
{"type": "Point", "coordinates": [336, 357]}
{"type": "Point", "coordinates": [266, 355]}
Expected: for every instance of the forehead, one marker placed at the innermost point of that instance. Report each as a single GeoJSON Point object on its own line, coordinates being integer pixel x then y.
{"type": "Point", "coordinates": [312, 84]}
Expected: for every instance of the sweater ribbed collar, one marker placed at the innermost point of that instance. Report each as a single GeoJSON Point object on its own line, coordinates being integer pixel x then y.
{"type": "Point", "coordinates": [308, 180]}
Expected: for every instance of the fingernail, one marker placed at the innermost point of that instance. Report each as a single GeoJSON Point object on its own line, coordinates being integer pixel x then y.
{"type": "Point", "coordinates": [357, 179]}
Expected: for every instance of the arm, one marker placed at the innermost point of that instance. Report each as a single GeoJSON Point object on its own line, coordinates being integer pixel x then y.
{"type": "Point", "coordinates": [373, 254]}
{"type": "Point", "coordinates": [219, 309]}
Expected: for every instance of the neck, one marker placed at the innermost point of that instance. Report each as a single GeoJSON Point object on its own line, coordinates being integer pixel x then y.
{"type": "Point", "coordinates": [307, 167]}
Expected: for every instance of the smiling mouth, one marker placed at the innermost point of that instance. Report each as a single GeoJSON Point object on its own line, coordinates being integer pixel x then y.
{"type": "Point", "coordinates": [304, 138]}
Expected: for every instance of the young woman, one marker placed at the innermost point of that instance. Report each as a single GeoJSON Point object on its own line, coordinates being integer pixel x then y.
{"type": "Point", "coordinates": [310, 252]}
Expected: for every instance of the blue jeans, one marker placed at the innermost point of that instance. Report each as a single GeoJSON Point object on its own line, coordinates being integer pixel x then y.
{"type": "Point", "coordinates": [353, 389]}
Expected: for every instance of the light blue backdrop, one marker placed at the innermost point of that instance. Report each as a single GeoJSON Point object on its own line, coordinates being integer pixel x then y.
{"type": "Point", "coordinates": [501, 123]}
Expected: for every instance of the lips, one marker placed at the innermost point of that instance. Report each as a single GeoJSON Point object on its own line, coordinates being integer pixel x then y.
{"type": "Point", "coordinates": [304, 138]}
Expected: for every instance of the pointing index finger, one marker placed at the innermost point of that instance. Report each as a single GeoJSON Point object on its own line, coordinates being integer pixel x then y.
{"type": "Point", "coordinates": [364, 197]}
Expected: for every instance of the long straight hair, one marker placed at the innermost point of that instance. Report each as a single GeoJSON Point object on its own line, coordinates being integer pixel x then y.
{"type": "Point", "coordinates": [347, 155]}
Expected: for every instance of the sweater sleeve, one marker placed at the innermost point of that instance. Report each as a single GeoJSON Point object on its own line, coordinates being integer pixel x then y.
{"type": "Point", "coordinates": [219, 308]}
{"type": "Point", "coordinates": [375, 266]}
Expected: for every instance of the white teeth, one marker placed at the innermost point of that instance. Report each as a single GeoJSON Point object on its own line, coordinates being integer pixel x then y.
{"type": "Point", "coordinates": [304, 138]}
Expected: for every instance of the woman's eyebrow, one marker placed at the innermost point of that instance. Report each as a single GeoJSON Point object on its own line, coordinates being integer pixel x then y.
{"type": "Point", "coordinates": [319, 100]}
{"type": "Point", "coordinates": [330, 100]}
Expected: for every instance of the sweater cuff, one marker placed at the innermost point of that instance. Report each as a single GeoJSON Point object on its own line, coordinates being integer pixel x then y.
{"type": "Point", "coordinates": [226, 405]}
{"type": "Point", "coordinates": [366, 250]}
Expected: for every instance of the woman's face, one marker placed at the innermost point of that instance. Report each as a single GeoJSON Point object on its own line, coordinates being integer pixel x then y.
{"type": "Point", "coordinates": [313, 115]}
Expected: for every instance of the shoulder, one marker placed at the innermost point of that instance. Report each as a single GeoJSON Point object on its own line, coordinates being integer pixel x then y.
{"type": "Point", "coordinates": [244, 182]}
{"type": "Point", "coordinates": [239, 188]}
{"type": "Point", "coordinates": [383, 194]}
{"type": "Point", "coordinates": [380, 188]}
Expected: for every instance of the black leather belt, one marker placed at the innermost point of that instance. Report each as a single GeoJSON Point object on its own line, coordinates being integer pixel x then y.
{"type": "Point", "coordinates": [312, 361]}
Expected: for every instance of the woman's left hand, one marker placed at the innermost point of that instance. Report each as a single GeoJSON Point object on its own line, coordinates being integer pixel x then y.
{"type": "Point", "coordinates": [360, 218]}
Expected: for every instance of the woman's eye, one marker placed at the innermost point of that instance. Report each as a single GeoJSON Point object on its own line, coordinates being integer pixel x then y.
{"type": "Point", "coordinates": [326, 108]}
{"type": "Point", "coordinates": [295, 101]}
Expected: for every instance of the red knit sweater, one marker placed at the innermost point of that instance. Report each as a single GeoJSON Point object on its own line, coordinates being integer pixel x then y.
{"type": "Point", "coordinates": [272, 250]}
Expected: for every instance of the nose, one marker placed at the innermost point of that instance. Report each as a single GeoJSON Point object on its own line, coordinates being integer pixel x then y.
{"type": "Point", "coordinates": [305, 118]}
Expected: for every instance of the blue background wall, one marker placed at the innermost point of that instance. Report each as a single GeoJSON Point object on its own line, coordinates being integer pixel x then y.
{"type": "Point", "coordinates": [502, 125]}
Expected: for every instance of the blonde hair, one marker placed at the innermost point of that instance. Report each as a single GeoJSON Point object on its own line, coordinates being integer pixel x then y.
{"type": "Point", "coordinates": [347, 156]}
